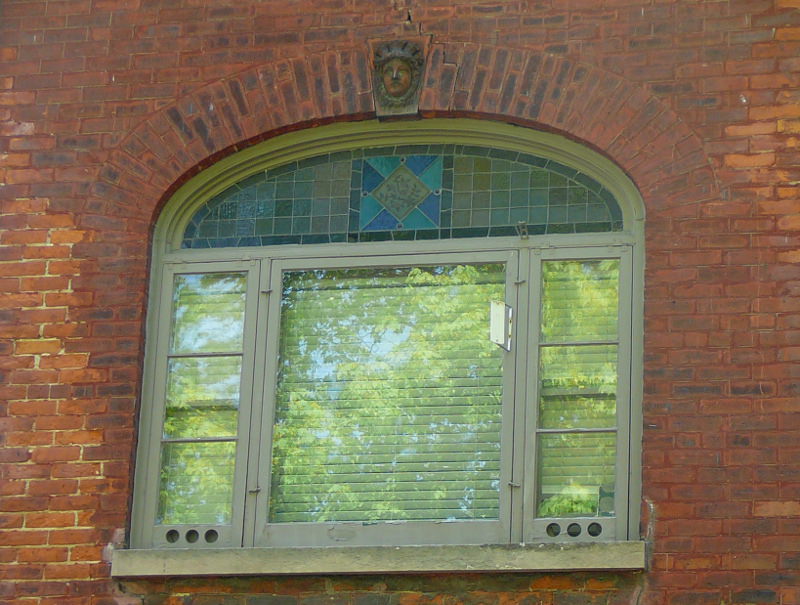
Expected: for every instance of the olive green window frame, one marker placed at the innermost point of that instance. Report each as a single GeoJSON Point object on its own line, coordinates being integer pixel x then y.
{"type": "Point", "coordinates": [168, 259]}
{"type": "Point", "coordinates": [378, 533]}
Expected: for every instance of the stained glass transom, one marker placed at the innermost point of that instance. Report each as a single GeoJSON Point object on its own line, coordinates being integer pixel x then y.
{"type": "Point", "coordinates": [404, 193]}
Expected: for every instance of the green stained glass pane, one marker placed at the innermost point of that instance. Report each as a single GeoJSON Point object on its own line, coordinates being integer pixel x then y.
{"type": "Point", "coordinates": [208, 312]}
{"type": "Point", "coordinates": [196, 483]}
{"type": "Point", "coordinates": [580, 300]}
{"type": "Point", "coordinates": [202, 397]}
{"type": "Point", "coordinates": [576, 474]}
{"type": "Point", "coordinates": [389, 395]}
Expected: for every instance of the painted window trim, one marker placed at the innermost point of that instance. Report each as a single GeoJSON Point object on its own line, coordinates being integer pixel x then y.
{"type": "Point", "coordinates": [332, 138]}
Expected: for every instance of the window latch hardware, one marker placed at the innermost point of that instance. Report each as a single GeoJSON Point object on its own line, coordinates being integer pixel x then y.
{"type": "Point", "coordinates": [267, 291]}
{"type": "Point", "coordinates": [522, 229]}
{"type": "Point", "coordinates": [500, 324]}
{"type": "Point", "coordinates": [255, 490]}
{"type": "Point", "coordinates": [514, 484]}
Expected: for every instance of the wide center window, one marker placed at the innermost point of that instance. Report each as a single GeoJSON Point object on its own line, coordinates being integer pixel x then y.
{"type": "Point", "coordinates": [389, 395]}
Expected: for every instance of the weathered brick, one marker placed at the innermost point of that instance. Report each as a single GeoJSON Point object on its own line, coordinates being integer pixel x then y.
{"type": "Point", "coordinates": [698, 104]}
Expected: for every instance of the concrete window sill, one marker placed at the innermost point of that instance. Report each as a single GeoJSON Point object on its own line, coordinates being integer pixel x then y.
{"type": "Point", "coordinates": [379, 559]}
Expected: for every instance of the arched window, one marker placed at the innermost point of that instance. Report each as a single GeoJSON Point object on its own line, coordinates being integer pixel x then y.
{"type": "Point", "coordinates": [402, 333]}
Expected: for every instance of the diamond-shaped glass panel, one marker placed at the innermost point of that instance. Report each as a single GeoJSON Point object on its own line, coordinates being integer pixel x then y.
{"type": "Point", "coordinates": [401, 192]}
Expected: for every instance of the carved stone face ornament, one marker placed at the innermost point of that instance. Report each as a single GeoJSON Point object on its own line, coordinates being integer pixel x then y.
{"type": "Point", "coordinates": [396, 78]}
{"type": "Point", "coordinates": [397, 74]}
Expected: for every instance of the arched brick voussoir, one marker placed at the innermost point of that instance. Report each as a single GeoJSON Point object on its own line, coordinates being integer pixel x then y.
{"type": "Point", "coordinates": [188, 135]}
{"type": "Point", "coordinates": [617, 117]}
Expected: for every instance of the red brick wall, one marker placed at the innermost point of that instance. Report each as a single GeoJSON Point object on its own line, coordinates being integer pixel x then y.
{"type": "Point", "coordinates": [104, 110]}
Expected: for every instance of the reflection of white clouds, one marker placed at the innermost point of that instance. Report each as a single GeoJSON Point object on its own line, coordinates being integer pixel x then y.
{"type": "Point", "coordinates": [208, 312]}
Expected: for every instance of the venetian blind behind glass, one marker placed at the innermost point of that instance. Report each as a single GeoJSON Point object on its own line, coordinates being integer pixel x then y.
{"type": "Point", "coordinates": [389, 395]}
{"type": "Point", "coordinates": [404, 193]}
{"type": "Point", "coordinates": [578, 388]}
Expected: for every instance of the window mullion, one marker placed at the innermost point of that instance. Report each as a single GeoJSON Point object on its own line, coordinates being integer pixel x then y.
{"type": "Point", "coordinates": [258, 341]}
{"type": "Point", "coordinates": [530, 394]}
{"type": "Point", "coordinates": [516, 392]}
{"type": "Point", "coordinates": [268, 346]}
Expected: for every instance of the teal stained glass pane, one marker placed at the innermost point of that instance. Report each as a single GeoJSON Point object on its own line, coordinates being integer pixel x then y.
{"type": "Point", "coordinates": [406, 193]}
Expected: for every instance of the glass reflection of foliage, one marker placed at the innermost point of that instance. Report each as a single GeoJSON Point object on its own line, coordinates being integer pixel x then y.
{"type": "Point", "coordinates": [578, 387]}
{"type": "Point", "coordinates": [576, 474]}
{"type": "Point", "coordinates": [196, 483]}
{"type": "Point", "coordinates": [389, 395]}
{"type": "Point", "coordinates": [202, 399]}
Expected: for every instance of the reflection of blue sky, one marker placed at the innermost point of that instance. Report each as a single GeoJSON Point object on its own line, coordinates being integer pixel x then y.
{"type": "Point", "coordinates": [208, 312]}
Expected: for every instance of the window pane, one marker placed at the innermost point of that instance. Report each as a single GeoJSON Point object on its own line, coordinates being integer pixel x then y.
{"type": "Point", "coordinates": [576, 411]}
{"type": "Point", "coordinates": [389, 395]}
{"type": "Point", "coordinates": [196, 483]}
{"type": "Point", "coordinates": [208, 313]}
{"type": "Point", "coordinates": [576, 474]}
{"type": "Point", "coordinates": [202, 397]}
{"type": "Point", "coordinates": [580, 300]}
{"type": "Point", "coordinates": [578, 386]}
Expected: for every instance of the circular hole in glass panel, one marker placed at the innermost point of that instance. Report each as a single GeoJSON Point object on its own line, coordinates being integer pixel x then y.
{"type": "Point", "coordinates": [553, 530]}
{"type": "Point", "coordinates": [172, 536]}
{"type": "Point", "coordinates": [192, 535]}
{"type": "Point", "coordinates": [213, 536]}
{"type": "Point", "coordinates": [573, 529]}
{"type": "Point", "coordinates": [594, 529]}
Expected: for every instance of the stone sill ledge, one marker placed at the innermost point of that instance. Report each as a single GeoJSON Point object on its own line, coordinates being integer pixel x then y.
{"type": "Point", "coordinates": [379, 559]}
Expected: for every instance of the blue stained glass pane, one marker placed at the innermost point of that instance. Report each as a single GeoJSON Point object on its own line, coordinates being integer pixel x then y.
{"type": "Point", "coordinates": [383, 221]}
{"type": "Point", "coordinates": [417, 220]}
{"type": "Point", "coordinates": [418, 163]}
{"type": "Point", "coordinates": [370, 208]}
{"type": "Point", "coordinates": [433, 175]}
{"type": "Point", "coordinates": [431, 208]}
{"type": "Point", "coordinates": [371, 178]}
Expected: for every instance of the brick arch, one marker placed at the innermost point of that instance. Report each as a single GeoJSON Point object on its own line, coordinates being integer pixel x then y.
{"type": "Point", "coordinates": [645, 138]}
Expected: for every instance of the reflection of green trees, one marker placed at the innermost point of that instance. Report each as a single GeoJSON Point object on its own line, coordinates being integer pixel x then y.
{"type": "Point", "coordinates": [578, 385]}
{"type": "Point", "coordinates": [196, 482]}
{"type": "Point", "coordinates": [202, 398]}
{"type": "Point", "coordinates": [388, 404]}
{"type": "Point", "coordinates": [580, 300]}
